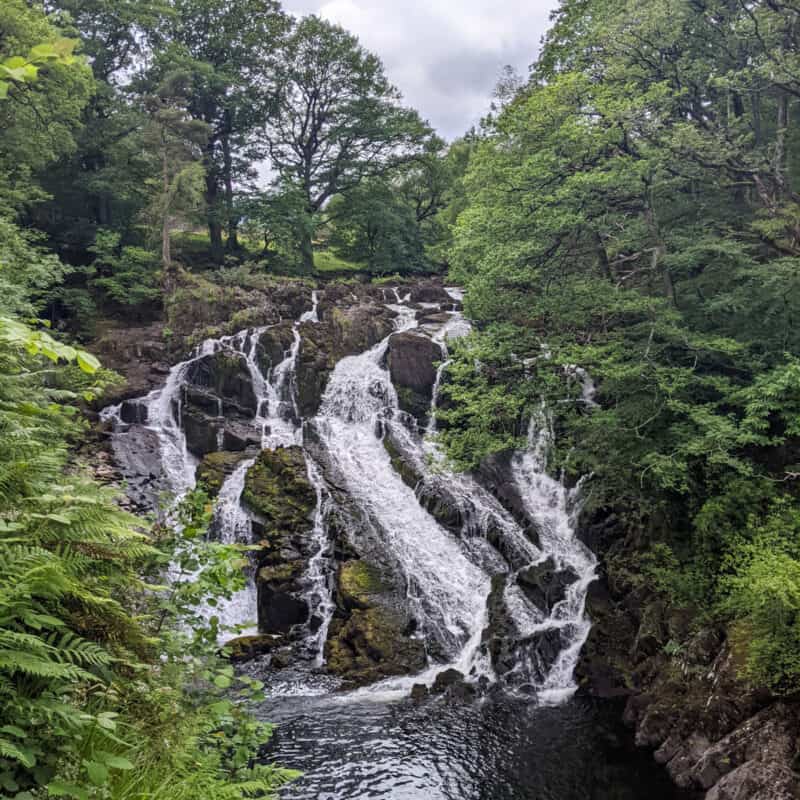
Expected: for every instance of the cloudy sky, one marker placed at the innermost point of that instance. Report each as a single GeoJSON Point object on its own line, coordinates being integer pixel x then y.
{"type": "Point", "coordinates": [444, 55]}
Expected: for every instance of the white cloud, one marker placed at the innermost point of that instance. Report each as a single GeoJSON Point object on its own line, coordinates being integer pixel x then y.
{"type": "Point", "coordinates": [444, 56]}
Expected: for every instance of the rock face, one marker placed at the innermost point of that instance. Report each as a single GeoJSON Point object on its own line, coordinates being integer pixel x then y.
{"type": "Point", "coordinates": [215, 468]}
{"type": "Point", "coordinates": [686, 701]}
{"type": "Point", "coordinates": [277, 490]}
{"type": "Point", "coordinates": [545, 585]}
{"type": "Point", "coordinates": [342, 331]}
{"type": "Point", "coordinates": [368, 637]}
{"type": "Point", "coordinates": [411, 360]}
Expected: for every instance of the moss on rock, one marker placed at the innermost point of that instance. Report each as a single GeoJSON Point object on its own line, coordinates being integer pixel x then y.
{"type": "Point", "coordinates": [277, 488]}
{"type": "Point", "coordinates": [358, 582]}
{"type": "Point", "coordinates": [371, 645]}
{"type": "Point", "coordinates": [215, 468]}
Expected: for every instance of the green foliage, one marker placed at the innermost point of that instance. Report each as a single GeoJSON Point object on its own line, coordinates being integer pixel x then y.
{"type": "Point", "coordinates": [373, 225]}
{"type": "Point", "coordinates": [762, 597]}
{"type": "Point", "coordinates": [124, 278]}
{"type": "Point", "coordinates": [95, 664]}
{"type": "Point", "coordinates": [632, 210]}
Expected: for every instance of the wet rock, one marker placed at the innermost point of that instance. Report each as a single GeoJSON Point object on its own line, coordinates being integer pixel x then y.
{"type": "Point", "coordinates": [238, 436]}
{"type": "Point", "coordinates": [429, 292]}
{"type": "Point", "coordinates": [402, 462]}
{"type": "Point", "coordinates": [225, 375]}
{"type": "Point", "coordinates": [544, 584]}
{"type": "Point", "coordinates": [201, 431]}
{"type": "Point", "coordinates": [246, 648]}
{"type": "Point", "coordinates": [500, 633]}
{"type": "Point", "coordinates": [273, 345]}
{"type": "Point", "coordinates": [358, 583]}
{"type": "Point", "coordinates": [133, 412]}
{"type": "Point", "coordinates": [279, 611]}
{"type": "Point", "coordinates": [419, 691]}
{"type": "Point", "coordinates": [411, 359]}
{"type": "Point", "coordinates": [278, 490]}
{"type": "Point", "coordinates": [371, 644]}
{"type": "Point", "coordinates": [215, 468]}
{"type": "Point", "coordinates": [446, 679]}
{"type": "Point", "coordinates": [757, 780]}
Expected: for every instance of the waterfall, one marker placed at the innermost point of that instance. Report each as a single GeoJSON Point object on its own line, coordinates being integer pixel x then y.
{"type": "Point", "coordinates": [445, 590]}
{"type": "Point", "coordinates": [555, 508]}
{"type": "Point", "coordinates": [447, 565]}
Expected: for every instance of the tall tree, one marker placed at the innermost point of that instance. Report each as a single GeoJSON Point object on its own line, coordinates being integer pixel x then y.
{"type": "Point", "coordinates": [227, 48]}
{"type": "Point", "coordinates": [337, 119]}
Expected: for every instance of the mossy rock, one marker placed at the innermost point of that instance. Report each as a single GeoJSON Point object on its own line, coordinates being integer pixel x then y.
{"type": "Point", "coordinates": [371, 645]}
{"type": "Point", "coordinates": [277, 488]}
{"type": "Point", "coordinates": [400, 464]}
{"type": "Point", "coordinates": [245, 648]}
{"type": "Point", "coordinates": [215, 468]}
{"type": "Point", "coordinates": [280, 573]}
{"type": "Point", "coordinates": [358, 582]}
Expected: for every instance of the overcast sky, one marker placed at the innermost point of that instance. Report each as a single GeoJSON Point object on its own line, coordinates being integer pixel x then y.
{"type": "Point", "coordinates": [444, 55]}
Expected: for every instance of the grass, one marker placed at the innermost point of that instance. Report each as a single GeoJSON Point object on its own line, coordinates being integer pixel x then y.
{"type": "Point", "coordinates": [327, 261]}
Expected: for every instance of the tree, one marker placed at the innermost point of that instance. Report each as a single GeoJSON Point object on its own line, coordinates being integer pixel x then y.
{"type": "Point", "coordinates": [374, 225]}
{"type": "Point", "coordinates": [337, 120]}
{"type": "Point", "coordinates": [227, 49]}
{"type": "Point", "coordinates": [177, 139]}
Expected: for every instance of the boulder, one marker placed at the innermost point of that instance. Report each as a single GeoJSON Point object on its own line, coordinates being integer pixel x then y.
{"type": "Point", "coordinates": [202, 431]}
{"type": "Point", "coordinates": [371, 644]}
{"type": "Point", "coordinates": [273, 345]}
{"type": "Point", "coordinates": [215, 468]}
{"type": "Point", "coordinates": [224, 375]}
{"type": "Point", "coordinates": [757, 780]}
{"type": "Point", "coordinates": [133, 412]}
{"type": "Point", "coordinates": [429, 292]}
{"type": "Point", "coordinates": [278, 490]}
{"type": "Point", "coordinates": [544, 584]}
{"type": "Point", "coordinates": [246, 648]}
{"type": "Point", "coordinates": [411, 359]}
{"type": "Point", "coordinates": [446, 679]}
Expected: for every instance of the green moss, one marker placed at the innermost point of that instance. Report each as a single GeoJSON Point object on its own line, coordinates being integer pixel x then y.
{"type": "Point", "coordinates": [277, 488]}
{"type": "Point", "coordinates": [357, 582]}
{"type": "Point", "coordinates": [214, 468]}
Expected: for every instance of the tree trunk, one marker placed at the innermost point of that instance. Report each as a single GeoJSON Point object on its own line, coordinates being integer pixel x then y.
{"type": "Point", "coordinates": [212, 206]}
{"type": "Point", "coordinates": [227, 176]}
{"type": "Point", "coordinates": [166, 254]}
{"type": "Point", "coordinates": [306, 252]}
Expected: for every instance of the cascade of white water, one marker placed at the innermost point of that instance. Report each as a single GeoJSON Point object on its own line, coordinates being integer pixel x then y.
{"type": "Point", "coordinates": [232, 523]}
{"type": "Point", "coordinates": [555, 508]}
{"type": "Point", "coordinates": [319, 594]}
{"type": "Point", "coordinates": [446, 591]}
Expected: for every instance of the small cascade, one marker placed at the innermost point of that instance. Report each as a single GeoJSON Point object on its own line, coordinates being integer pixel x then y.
{"type": "Point", "coordinates": [319, 594]}
{"type": "Point", "coordinates": [554, 508]}
{"type": "Point", "coordinates": [311, 315]}
{"type": "Point", "coordinates": [232, 524]}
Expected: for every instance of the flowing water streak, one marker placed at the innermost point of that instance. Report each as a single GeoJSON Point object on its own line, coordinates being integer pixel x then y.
{"type": "Point", "coordinates": [447, 592]}
{"type": "Point", "coordinates": [555, 508]}
{"type": "Point", "coordinates": [232, 522]}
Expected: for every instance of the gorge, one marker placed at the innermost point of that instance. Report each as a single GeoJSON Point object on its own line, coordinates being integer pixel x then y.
{"type": "Point", "coordinates": [387, 589]}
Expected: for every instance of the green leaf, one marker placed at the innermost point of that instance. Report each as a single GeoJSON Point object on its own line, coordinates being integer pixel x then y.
{"type": "Point", "coordinates": [62, 789]}
{"type": "Point", "coordinates": [87, 362]}
{"type": "Point", "coordinates": [98, 773]}
{"type": "Point", "coordinates": [222, 681]}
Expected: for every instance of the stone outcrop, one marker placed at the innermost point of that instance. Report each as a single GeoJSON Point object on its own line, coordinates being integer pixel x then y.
{"type": "Point", "coordinates": [411, 360]}
{"type": "Point", "coordinates": [341, 331]}
{"type": "Point", "coordinates": [368, 637]}
{"type": "Point", "coordinates": [544, 584]}
{"type": "Point", "coordinates": [277, 490]}
{"type": "Point", "coordinates": [215, 468]}
{"type": "Point", "coordinates": [686, 699]}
